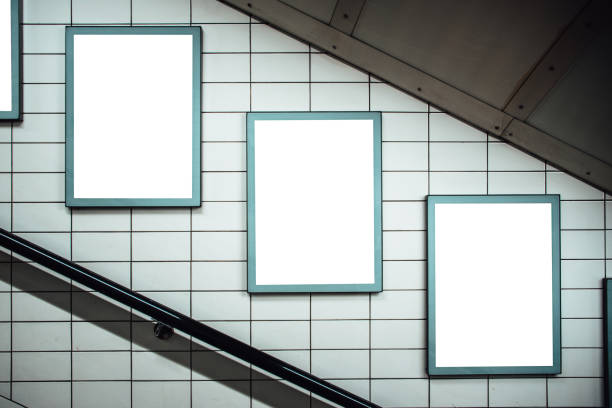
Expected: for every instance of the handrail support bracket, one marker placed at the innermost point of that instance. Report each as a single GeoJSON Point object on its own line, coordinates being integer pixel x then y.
{"type": "Point", "coordinates": [162, 331]}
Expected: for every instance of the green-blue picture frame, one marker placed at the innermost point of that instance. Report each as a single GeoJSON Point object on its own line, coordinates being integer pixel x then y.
{"type": "Point", "coordinates": [195, 200]}
{"type": "Point", "coordinates": [555, 368]}
{"type": "Point", "coordinates": [607, 298]}
{"type": "Point", "coordinates": [15, 112]}
{"type": "Point", "coordinates": [252, 286]}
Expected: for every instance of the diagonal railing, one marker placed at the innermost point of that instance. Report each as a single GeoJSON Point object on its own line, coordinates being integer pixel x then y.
{"type": "Point", "coordinates": [179, 321]}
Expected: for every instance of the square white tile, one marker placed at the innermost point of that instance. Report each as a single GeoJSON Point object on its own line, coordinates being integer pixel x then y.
{"type": "Point", "coordinates": [458, 182]}
{"type": "Point", "coordinates": [445, 128]}
{"type": "Point", "coordinates": [575, 392]}
{"type": "Point", "coordinates": [43, 68]}
{"type": "Point", "coordinates": [399, 304]}
{"type": "Point", "coordinates": [221, 305]}
{"type": "Point", "coordinates": [115, 219]}
{"type": "Point", "coordinates": [279, 67]}
{"type": "Point", "coordinates": [398, 334]}
{"type": "Point", "coordinates": [280, 307]}
{"type": "Point", "coordinates": [38, 187]}
{"type": "Point", "coordinates": [87, 394]}
{"type": "Point", "coordinates": [219, 246]}
{"type": "Point", "coordinates": [43, 39]}
{"type": "Point", "coordinates": [339, 96]}
{"type": "Point", "coordinates": [330, 364]}
{"type": "Point", "coordinates": [102, 246]}
{"type": "Point", "coordinates": [404, 156]}
{"type": "Point", "coordinates": [409, 127]}
{"type": "Point", "coordinates": [40, 128]}
{"type": "Point", "coordinates": [280, 335]}
{"type": "Point", "coordinates": [226, 216]}
{"type": "Point", "coordinates": [396, 393]}
{"type": "Point", "coordinates": [224, 156]}
{"type": "Point", "coordinates": [41, 217]}
{"type": "Point", "coordinates": [458, 393]}
{"type": "Point", "coordinates": [43, 98]}
{"type": "Point", "coordinates": [224, 186]}
{"type": "Point", "coordinates": [511, 182]}
{"type": "Point", "coordinates": [405, 185]}
{"type": "Point", "coordinates": [46, 11]}
{"type": "Point", "coordinates": [399, 363]}
{"type": "Point", "coordinates": [517, 392]}
{"type": "Point", "coordinates": [160, 11]}
{"type": "Point", "coordinates": [160, 219]}
{"type": "Point", "coordinates": [458, 156]}
{"type": "Point", "coordinates": [405, 274]}
{"type": "Point", "coordinates": [101, 11]}
{"type": "Point", "coordinates": [340, 306]}
{"type": "Point", "coordinates": [279, 97]}
{"type": "Point", "coordinates": [223, 127]}
{"type": "Point", "coordinates": [340, 334]}
{"type": "Point", "coordinates": [225, 38]}
{"type": "Point", "coordinates": [582, 214]}
{"type": "Point", "coordinates": [404, 245]}
{"type": "Point", "coordinates": [581, 303]}
{"type": "Point", "coordinates": [225, 97]}
{"type": "Point", "coordinates": [218, 275]}
{"type": "Point", "coordinates": [225, 68]}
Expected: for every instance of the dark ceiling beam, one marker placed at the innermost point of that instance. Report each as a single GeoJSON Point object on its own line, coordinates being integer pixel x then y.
{"type": "Point", "coordinates": [346, 15]}
{"type": "Point", "coordinates": [563, 156]}
{"type": "Point", "coordinates": [558, 60]}
{"type": "Point", "coordinates": [430, 89]}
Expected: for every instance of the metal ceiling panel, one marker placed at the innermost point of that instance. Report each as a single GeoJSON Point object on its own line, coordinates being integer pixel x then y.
{"type": "Point", "coordinates": [577, 109]}
{"type": "Point", "coordinates": [485, 48]}
{"type": "Point", "coordinates": [320, 9]}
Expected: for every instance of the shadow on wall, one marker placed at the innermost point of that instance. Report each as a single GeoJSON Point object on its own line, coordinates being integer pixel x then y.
{"type": "Point", "coordinates": [204, 361]}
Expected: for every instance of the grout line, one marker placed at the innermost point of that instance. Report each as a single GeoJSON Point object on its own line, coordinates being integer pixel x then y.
{"type": "Point", "coordinates": [131, 316]}
{"type": "Point", "coordinates": [605, 237]}
{"type": "Point", "coordinates": [487, 193]}
{"type": "Point", "coordinates": [191, 252]}
{"type": "Point", "coordinates": [311, 398]}
{"type": "Point", "coordinates": [71, 292]}
{"type": "Point", "coordinates": [250, 297]}
{"type": "Point", "coordinates": [545, 192]}
{"type": "Point", "coordinates": [381, 225]}
{"type": "Point", "coordinates": [12, 259]}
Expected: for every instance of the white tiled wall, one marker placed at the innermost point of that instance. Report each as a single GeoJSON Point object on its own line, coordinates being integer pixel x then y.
{"type": "Point", "coordinates": [71, 349]}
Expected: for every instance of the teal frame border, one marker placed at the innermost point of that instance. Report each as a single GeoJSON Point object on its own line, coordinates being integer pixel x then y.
{"type": "Point", "coordinates": [553, 199]}
{"type": "Point", "coordinates": [195, 200]}
{"type": "Point", "coordinates": [15, 112]}
{"type": "Point", "coordinates": [251, 195]}
{"type": "Point", "coordinates": [607, 298]}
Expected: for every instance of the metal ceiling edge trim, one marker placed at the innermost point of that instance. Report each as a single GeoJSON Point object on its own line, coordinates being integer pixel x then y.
{"type": "Point", "coordinates": [566, 157]}
{"type": "Point", "coordinates": [429, 89]}
{"type": "Point", "coordinates": [369, 59]}
{"type": "Point", "coordinates": [346, 15]}
{"type": "Point", "coordinates": [557, 61]}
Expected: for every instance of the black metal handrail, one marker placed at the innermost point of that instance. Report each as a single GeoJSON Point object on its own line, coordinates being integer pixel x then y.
{"type": "Point", "coordinates": [179, 321]}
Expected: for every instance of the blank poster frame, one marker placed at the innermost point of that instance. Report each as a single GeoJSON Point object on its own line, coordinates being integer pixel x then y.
{"type": "Point", "coordinates": [15, 72]}
{"type": "Point", "coordinates": [479, 369]}
{"type": "Point", "coordinates": [190, 195]}
{"type": "Point", "coordinates": [607, 287]}
{"type": "Point", "coordinates": [373, 157]}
